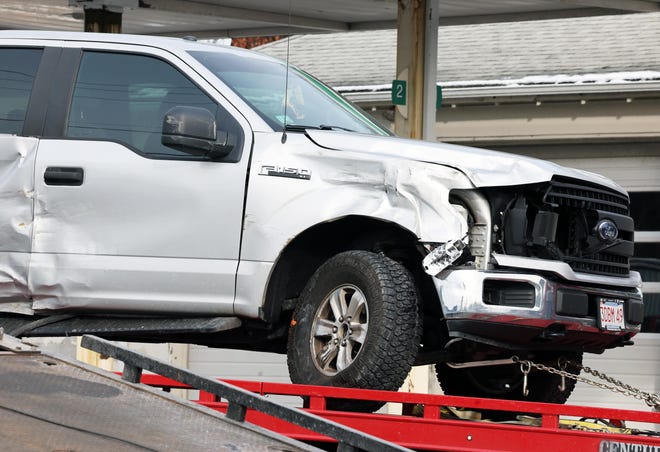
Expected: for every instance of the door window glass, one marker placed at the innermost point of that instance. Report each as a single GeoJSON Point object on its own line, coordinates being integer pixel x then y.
{"type": "Point", "coordinates": [124, 97]}
{"type": "Point", "coordinates": [18, 68]}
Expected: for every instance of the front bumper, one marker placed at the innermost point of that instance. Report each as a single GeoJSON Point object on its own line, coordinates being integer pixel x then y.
{"type": "Point", "coordinates": [529, 311]}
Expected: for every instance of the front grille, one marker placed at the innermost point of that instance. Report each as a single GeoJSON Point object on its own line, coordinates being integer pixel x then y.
{"type": "Point", "coordinates": [580, 205]}
{"type": "Point", "coordinates": [562, 220]}
{"type": "Point", "coordinates": [569, 193]}
{"type": "Point", "coordinates": [600, 263]}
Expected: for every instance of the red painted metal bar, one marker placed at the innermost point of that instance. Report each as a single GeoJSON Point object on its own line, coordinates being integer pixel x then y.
{"type": "Point", "coordinates": [432, 431]}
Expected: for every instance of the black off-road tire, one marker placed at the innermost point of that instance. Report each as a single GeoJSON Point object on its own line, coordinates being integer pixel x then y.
{"type": "Point", "coordinates": [491, 381]}
{"type": "Point", "coordinates": [381, 331]}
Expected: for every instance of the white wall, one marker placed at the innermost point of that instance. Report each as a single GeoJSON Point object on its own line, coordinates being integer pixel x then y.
{"type": "Point", "coordinates": [238, 364]}
{"type": "Point", "coordinates": [638, 366]}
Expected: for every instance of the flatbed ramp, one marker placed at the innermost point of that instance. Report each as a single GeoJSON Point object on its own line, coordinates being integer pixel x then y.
{"type": "Point", "coordinates": [47, 404]}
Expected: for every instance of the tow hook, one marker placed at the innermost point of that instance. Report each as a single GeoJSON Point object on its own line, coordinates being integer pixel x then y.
{"type": "Point", "coordinates": [554, 331]}
{"type": "Point", "coordinates": [490, 362]}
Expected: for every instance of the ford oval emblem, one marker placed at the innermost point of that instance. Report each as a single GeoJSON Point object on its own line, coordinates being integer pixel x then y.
{"type": "Point", "coordinates": [607, 230]}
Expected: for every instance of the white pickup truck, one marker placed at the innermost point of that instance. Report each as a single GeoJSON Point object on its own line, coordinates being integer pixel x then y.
{"type": "Point", "coordinates": [157, 189]}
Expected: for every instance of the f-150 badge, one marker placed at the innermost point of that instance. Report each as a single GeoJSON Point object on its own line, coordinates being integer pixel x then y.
{"type": "Point", "coordinates": [285, 171]}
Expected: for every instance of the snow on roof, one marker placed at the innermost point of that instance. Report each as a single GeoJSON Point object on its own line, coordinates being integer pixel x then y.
{"type": "Point", "coordinates": [560, 79]}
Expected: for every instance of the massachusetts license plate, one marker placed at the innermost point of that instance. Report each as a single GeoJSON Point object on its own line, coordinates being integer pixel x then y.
{"type": "Point", "coordinates": [611, 316]}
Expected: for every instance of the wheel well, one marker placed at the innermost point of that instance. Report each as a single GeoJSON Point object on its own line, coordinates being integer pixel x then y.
{"type": "Point", "coordinates": [306, 252]}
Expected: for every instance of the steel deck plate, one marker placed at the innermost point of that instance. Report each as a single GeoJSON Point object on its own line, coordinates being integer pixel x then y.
{"type": "Point", "coordinates": [47, 403]}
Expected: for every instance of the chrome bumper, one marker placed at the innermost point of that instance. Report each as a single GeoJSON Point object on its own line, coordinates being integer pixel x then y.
{"type": "Point", "coordinates": [461, 294]}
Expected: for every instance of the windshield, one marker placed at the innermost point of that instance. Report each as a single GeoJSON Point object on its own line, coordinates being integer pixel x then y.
{"type": "Point", "coordinates": [309, 103]}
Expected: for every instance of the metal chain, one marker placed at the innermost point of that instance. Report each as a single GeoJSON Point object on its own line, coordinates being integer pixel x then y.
{"type": "Point", "coordinates": [652, 400]}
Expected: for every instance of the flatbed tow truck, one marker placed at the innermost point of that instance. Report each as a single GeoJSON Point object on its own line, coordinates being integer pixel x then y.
{"type": "Point", "coordinates": [50, 403]}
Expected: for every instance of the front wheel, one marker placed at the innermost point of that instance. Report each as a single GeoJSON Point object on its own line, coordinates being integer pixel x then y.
{"type": "Point", "coordinates": [356, 325]}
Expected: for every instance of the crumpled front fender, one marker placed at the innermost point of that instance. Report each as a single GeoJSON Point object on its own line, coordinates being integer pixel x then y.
{"type": "Point", "coordinates": [411, 194]}
{"type": "Point", "coordinates": [297, 185]}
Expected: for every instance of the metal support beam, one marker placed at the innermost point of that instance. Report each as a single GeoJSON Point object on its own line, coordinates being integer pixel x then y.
{"type": "Point", "coordinates": [131, 373]}
{"type": "Point", "coordinates": [102, 21]}
{"type": "Point", "coordinates": [236, 411]}
{"type": "Point", "coordinates": [431, 20]}
{"type": "Point", "coordinates": [622, 5]}
{"type": "Point", "coordinates": [410, 67]}
{"type": "Point", "coordinates": [511, 16]}
{"type": "Point", "coordinates": [250, 15]}
{"type": "Point", "coordinates": [104, 16]}
{"type": "Point", "coordinates": [417, 54]}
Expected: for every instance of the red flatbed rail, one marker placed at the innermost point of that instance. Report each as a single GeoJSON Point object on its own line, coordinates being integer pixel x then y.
{"type": "Point", "coordinates": [431, 430]}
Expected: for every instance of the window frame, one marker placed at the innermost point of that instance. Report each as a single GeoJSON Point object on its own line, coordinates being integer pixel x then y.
{"type": "Point", "coordinates": [233, 157]}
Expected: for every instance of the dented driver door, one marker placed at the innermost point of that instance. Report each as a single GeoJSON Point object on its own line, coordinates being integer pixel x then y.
{"type": "Point", "coordinates": [18, 68]}
{"type": "Point", "coordinates": [17, 156]}
{"type": "Point", "coordinates": [124, 223]}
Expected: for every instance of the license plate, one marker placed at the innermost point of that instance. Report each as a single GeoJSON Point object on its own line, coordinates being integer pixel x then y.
{"type": "Point", "coordinates": [611, 316]}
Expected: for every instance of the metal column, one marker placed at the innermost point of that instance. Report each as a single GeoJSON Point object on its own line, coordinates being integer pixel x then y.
{"type": "Point", "coordinates": [417, 53]}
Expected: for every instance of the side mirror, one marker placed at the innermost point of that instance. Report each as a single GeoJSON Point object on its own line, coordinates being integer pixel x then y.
{"type": "Point", "coordinates": [193, 130]}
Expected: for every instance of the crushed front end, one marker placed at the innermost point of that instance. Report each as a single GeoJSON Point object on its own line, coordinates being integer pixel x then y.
{"type": "Point", "coordinates": [546, 268]}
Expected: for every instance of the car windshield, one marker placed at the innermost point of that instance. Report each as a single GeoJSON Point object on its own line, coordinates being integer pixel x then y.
{"type": "Point", "coordinates": [309, 103]}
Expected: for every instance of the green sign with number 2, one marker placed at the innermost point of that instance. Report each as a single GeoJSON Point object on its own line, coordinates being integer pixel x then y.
{"type": "Point", "coordinates": [399, 92]}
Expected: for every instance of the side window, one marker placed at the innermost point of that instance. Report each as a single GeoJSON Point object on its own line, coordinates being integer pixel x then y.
{"type": "Point", "coordinates": [124, 97]}
{"type": "Point", "coordinates": [647, 254]}
{"type": "Point", "coordinates": [18, 68]}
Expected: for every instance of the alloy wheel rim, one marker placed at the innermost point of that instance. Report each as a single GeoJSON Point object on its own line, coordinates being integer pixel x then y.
{"type": "Point", "coordinates": [339, 329]}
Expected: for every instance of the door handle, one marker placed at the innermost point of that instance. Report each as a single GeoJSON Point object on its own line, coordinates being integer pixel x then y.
{"type": "Point", "coordinates": [58, 175]}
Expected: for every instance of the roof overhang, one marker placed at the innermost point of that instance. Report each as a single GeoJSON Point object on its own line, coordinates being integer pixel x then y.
{"type": "Point", "coordinates": [513, 92]}
{"type": "Point", "coordinates": [234, 18]}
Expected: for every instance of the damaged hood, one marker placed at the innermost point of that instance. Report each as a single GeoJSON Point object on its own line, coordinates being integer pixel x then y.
{"type": "Point", "coordinates": [484, 168]}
